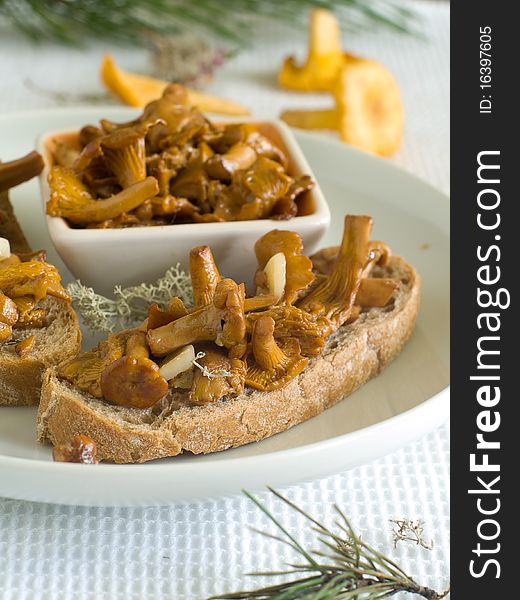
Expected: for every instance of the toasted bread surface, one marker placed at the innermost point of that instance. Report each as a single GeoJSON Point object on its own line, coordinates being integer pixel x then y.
{"type": "Point", "coordinates": [59, 340]}
{"type": "Point", "coordinates": [353, 355]}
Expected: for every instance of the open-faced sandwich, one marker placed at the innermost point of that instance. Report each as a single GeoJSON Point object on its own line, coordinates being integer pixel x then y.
{"type": "Point", "coordinates": [232, 369]}
{"type": "Point", "coordinates": [38, 327]}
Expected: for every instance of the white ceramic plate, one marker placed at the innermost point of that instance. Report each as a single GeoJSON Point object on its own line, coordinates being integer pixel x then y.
{"type": "Point", "coordinates": [406, 401]}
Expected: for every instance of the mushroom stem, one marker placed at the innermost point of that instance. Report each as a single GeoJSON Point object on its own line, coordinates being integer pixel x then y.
{"type": "Point", "coordinates": [260, 302]}
{"type": "Point", "coordinates": [312, 119]}
{"type": "Point", "coordinates": [17, 171]}
{"type": "Point", "coordinates": [204, 275]}
{"type": "Point", "coordinates": [222, 166]}
{"type": "Point", "coordinates": [336, 294]}
{"type": "Point", "coordinates": [69, 199]}
{"type": "Point", "coordinates": [265, 349]}
{"type": "Point", "coordinates": [222, 322]}
{"type": "Point", "coordinates": [136, 346]}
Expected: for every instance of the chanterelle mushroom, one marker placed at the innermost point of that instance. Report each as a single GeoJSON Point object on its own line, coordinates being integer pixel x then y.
{"type": "Point", "coordinates": [222, 322]}
{"type": "Point", "coordinates": [31, 278]}
{"type": "Point", "coordinates": [123, 150]}
{"type": "Point", "coordinates": [133, 382]}
{"type": "Point", "coordinates": [373, 292]}
{"type": "Point", "coordinates": [273, 366]}
{"type": "Point", "coordinates": [291, 322]}
{"type": "Point", "coordinates": [334, 297]}
{"type": "Point", "coordinates": [216, 376]}
{"type": "Point", "coordinates": [299, 273]}
{"type": "Point", "coordinates": [85, 370]}
{"type": "Point", "coordinates": [70, 198]}
{"type": "Point", "coordinates": [222, 166]}
{"type": "Point", "coordinates": [204, 275]}
{"type": "Point", "coordinates": [368, 111]}
{"type": "Point", "coordinates": [324, 59]}
{"type": "Point", "coordinates": [17, 171]}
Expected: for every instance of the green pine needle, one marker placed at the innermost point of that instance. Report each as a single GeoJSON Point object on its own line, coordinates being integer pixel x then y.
{"type": "Point", "coordinates": [354, 570]}
{"type": "Point", "coordinates": [128, 21]}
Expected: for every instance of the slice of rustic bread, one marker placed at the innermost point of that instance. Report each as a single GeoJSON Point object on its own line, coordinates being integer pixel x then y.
{"type": "Point", "coordinates": [59, 340]}
{"type": "Point", "coordinates": [351, 356]}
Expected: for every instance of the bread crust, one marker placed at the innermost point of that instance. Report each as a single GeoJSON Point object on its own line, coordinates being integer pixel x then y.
{"type": "Point", "coordinates": [351, 356]}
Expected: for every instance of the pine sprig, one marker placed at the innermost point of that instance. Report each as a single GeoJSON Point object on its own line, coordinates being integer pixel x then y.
{"type": "Point", "coordinates": [129, 21]}
{"type": "Point", "coordinates": [347, 568]}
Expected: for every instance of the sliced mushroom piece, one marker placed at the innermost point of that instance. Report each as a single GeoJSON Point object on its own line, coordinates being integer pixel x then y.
{"type": "Point", "coordinates": [222, 166]}
{"type": "Point", "coordinates": [299, 273]}
{"type": "Point", "coordinates": [204, 275]}
{"type": "Point", "coordinates": [376, 292]}
{"type": "Point", "coordinates": [217, 376]}
{"type": "Point", "coordinates": [334, 296]}
{"type": "Point", "coordinates": [133, 382]}
{"type": "Point", "coordinates": [273, 366]}
{"type": "Point", "coordinates": [222, 322]}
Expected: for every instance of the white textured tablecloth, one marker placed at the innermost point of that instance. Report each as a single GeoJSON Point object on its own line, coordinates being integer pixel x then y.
{"type": "Point", "coordinates": [194, 550]}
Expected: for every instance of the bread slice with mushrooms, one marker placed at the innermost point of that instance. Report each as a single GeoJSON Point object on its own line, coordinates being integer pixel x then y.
{"type": "Point", "coordinates": [352, 355]}
{"type": "Point", "coordinates": [30, 350]}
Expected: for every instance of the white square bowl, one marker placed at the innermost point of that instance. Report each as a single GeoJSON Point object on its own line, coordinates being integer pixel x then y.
{"type": "Point", "coordinates": [102, 258]}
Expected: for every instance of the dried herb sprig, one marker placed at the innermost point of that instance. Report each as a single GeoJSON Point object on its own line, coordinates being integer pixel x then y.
{"type": "Point", "coordinates": [409, 530]}
{"type": "Point", "coordinates": [130, 304]}
{"type": "Point", "coordinates": [73, 21]}
{"type": "Point", "coordinates": [347, 568]}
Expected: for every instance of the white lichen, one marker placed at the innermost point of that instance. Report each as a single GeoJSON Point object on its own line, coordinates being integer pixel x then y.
{"type": "Point", "coordinates": [129, 307]}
